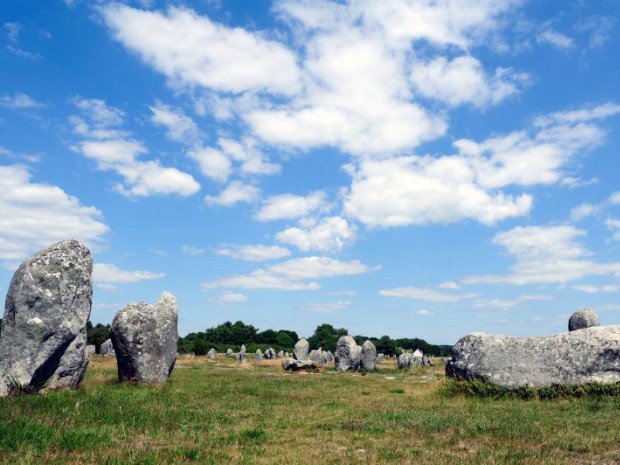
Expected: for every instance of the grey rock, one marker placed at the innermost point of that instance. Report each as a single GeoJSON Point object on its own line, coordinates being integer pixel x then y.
{"type": "Point", "coordinates": [314, 356]}
{"type": "Point", "coordinates": [270, 353]}
{"type": "Point", "coordinates": [369, 356]}
{"type": "Point", "coordinates": [404, 361]}
{"type": "Point", "coordinates": [584, 318]}
{"type": "Point", "coordinates": [107, 349]}
{"type": "Point", "coordinates": [302, 349]}
{"type": "Point", "coordinates": [242, 350]}
{"type": "Point", "coordinates": [259, 355]}
{"type": "Point", "coordinates": [230, 353]}
{"type": "Point", "coordinates": [426, 361]}
{"type": "Point", "coordinates": [91, 349]}
{"type": "Point", "coordinates": [47, 306]}
{"type": "Point", "coordinates": [145, 340]}
{"type": "Point", "coordinates": [348, 354]}
{"type": "Point", "coordinates": [291, 364]}
{"type": "Point", "coordinates": [211, 354]}
{"type": "Point", "coordinates": [241, 357]}
{"type": "Point", "coordinates": [281, 354]}
{"type": "Point", "coordinates": [578, 357]}
{"type": "Point", "coordinates": [380, 358]}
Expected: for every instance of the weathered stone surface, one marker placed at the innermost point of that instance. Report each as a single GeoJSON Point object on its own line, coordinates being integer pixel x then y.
{"type": "Point", "coordinates": [426, 361]}
{"type": "Point", "coordinates": [91, 349]}
{"type": "Point", "coordinates": [380, 358]}
{"type": "Point", "coordinates": [242, 350]}
{"type": "Point", "coordinates": [291, 364]}
{"type": "Point", "coordinates": [259, 355]}
{"type": "Point", "coordinates": [348, 354]}
{"type": "Point", "coordinates": [584, 318]}
{"type": "Point", "coordinates": [404, 361]}
{"type": "Point", "coordinates": [230, 353]}
{"type": "Point", "coordinates": [578, 357]}
{"type": "Point", "coordinates": [241, 357]}
{"type": "Point", "coordinates": [315, 355]}
{"type": "Point", "coordinates": [107, 349]}
{"type": "Point", "coordinates": [270, 354]}
{"type": "Point", "coordinates": [145, 340]}
{"type": "Point", "coordinates": [302, 349]}
{"type": "Point", "coordinates": [44, 325]}
{"type": "Point", "coordinates": [369, 356]}
{"type": "Point", "coordinates": [211, 354]}
{"type": "Point", "coordinates": [281, 354]}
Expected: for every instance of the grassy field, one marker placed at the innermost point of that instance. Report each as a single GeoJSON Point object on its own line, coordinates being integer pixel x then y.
{"type": "Point", "coordinates": [220, 413]}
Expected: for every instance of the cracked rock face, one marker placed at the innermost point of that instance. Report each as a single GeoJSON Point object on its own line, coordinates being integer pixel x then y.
{"type": "Point", "coordinates": [348, 354]}
{"type": "Point", "coordinates": [582, 319]}
{"type": "Point", "coordinates": [145, 340]}
{"type": "Point", "coordinates": [578, 357]}
{"type": "Point", "coordinates": [43, 343]}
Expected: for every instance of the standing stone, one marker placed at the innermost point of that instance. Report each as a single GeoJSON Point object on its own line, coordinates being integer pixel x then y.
{"type": "Point", "coordinates": [301, 350]}
{"type": "Point", "coordinates": [145, 340]}
{"type": "Point", "coordinates": [211, 354]}
{"type": "Point", "coordinates": [241, 357]}
{"type": "Point", "coordinates": [581, 319]}
{"type": "Point", "coordinates": [91, 349]}
{"type": "Point", "coordinates": [590, 355]}
{"type": "Point", "coordinates": [270, 353]}
{"type": "Point", "coordinates": [281, 354]}
{"type": "Point", "coordinates": [426, 361]}
{"type": "Point", "coordinates": [230, 353]}
{"type": "Point", "coordinates": [405, 361]}
{"type": "Point", "coordinates": [348, 354]}
{"type": "Point", "coordinates": [380, 358]}
{"type": "Point", "coordinates": [107, 349]}
{"type": "Point", "coordinates": [242, 350]}
{"type": "Point", "coordinates": [314, 356]}
{"type": "Point", "coordinates": [259, 355]}
{"type": "Point", "coordinates": [369, 356]}
{"type": "Point", "coordinates": [44, 325]}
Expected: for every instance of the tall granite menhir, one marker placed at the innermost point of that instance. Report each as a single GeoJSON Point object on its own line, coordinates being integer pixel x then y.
{"type": "Point", "coordinates": [48, 303]}
{"type": "Point", "coordinates": [145, 340]}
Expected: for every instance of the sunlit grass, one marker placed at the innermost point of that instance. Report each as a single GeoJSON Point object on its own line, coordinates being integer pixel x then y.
{"type": "Point", "coordinates": [220, 412]}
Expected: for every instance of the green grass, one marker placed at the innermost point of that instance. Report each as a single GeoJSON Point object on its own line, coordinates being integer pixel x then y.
{"type": "Point", "coordinates": [220, 413]}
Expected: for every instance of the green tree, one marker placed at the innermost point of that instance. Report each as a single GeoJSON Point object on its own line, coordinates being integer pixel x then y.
{"type": "Point", "coordinates": [326, 336]}
{"type": "Point", "coordinates": [97, 334]}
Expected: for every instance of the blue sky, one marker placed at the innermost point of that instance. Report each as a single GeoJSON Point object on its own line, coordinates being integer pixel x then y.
{"type": "Point", "coordinates": [405, 167]}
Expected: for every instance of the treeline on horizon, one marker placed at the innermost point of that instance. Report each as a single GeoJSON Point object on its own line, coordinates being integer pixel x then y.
{"type": "Point", "coordinates": [232, 335]}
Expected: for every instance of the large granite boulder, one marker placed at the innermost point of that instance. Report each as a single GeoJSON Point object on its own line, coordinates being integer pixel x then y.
{"type": "Point", "coordinates": [348, 354]}
{"type": "Point", "coordinates": [584, 318]}
{"type": "Point", "coordinates": [107, 349]}
{"type": "Point", "coordinates": [369, 356]}
{"type": "Point", "coordinates": [47, 306]}
{"type": "Point", "coordinates": [145, 340]}
{"type": "Point", "coordinates": [302, 349]}
{"type": "Point", "coordinates": [578, 357]}
{"type": "Point", "coordinates": [404, 361]}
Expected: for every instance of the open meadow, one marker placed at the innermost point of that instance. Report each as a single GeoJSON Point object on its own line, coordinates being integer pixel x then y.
{"type": "Point", "coordinates": [220, 412]}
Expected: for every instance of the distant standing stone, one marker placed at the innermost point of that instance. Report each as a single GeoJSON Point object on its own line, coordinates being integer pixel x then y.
{"type": "Point", "coordinates": [259, 355]}
{"type": "Point", "coordinates": [314, 356]}
{"type": "Point", "coordinates": [270, 353]}
{"type": "Point", "coordinates": [281, 354]}
{"type": "Point", "coordinates": [302, 349]}
{"type": "Point", "coordinates": [348, 354]}
{"type": "Point", "coordinates": [405, 361]}
{"type": "Point", "coordinates": [241, 357]}
{"type": "Point", "coordinates": [211, 354]}
{"type": "Point", "coordinates": [91, 350]}
{"type": "Point", "coordinates": [380, 358]}
{"type": "Point", "coordinates": [242, 350]}
{"type": "Point", "coordinates": [230, 353]}
{"type": "Point", "coordinates": [107, 349]}
{"type": "Point", "coordinates": [369, 356]}
{"type": "Point", "coordinates": [48, 303]}
{"type": "Point", "coordinates": [581, 319]}
{"type": "Point", "coordinates": [145, 340]}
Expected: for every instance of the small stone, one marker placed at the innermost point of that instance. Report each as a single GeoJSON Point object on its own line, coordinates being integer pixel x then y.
{"type": "Point", "coordinates": [91, 350]}
{"type": "Point", "coordinates": [145, 340]}
{"type": "Point", "coordinates": [369, 355]}
{"type": "Point", "coordinates": [107, 349]}
{"type": "Point", "coordinates": [291, 364]}
{"type": "Point", "coordinates": [581, 319]}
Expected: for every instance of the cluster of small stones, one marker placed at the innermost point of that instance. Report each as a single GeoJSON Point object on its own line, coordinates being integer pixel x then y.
{"type": "Point", "coordinates": [588, 353]}
{"type": "Point", "coordinates": [408, 360]}
{"type": "Point", "coordinates": [43, 342]}
{"type": "Point", "coordinates": [351, 357]}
